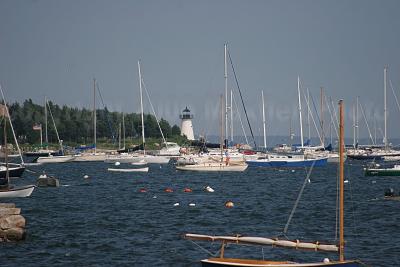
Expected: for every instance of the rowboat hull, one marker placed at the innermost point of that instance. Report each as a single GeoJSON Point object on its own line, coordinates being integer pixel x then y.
{"type": "Point", "coordinates": [220, 262]}
{"type": "Point", "coordinates": [24, 191]}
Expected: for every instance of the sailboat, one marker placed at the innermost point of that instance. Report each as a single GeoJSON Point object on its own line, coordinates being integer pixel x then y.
{"type": "Point", "coordinates": [6, 189]}
{"type": "Point", "coordinates": [95, 156]}
{"type": "Point", "coordinates": [54, 158]}
{"type": "Point", "coordinates": [296, 244]}
{"type": "Point", "coordinates": [222, 165]}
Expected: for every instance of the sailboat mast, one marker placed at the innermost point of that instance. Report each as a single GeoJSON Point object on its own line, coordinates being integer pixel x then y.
{"type": "Point", "coordinates": [5, 150]}
{"type": "Point", "coordinates": [231, 108]}
{"type": "Point", "coordinates": [301, 121]}
{"type": "Point", "coordinates": [119, 136]}
{"type": "Point", "coordinates": [308, 115]}
{"type": "Point", "coordinates": [94, 116]}
{"type": "Point", "coordinates": [45, 122]}
{"type": "Point", "coordinates": [141, 106]}
{"type": "Point", "coordinates": [222, 130]}
{"type": "Point", "coordinates": [341, 170]}
{"type": "Point", "coordinates": [226, 90]}
{"type": "Point", "coordinates": [322, 118]}
{"type": "Point", "coordinates": [123, 127]}
{"type": "Point", "coordinates": [384, 107]}
{"type": "Point", "coordinates": [354, 126]}
{"type": "Point", "coordinates": [263, 110]}
{"type": "Point", "coordinates": [357, 123]}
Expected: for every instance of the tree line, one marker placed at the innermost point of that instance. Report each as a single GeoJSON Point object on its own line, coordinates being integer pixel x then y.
{"type": "Point", "coordinates": [75, 125]}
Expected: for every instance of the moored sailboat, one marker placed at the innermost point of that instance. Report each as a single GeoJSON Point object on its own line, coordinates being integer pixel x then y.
{"type": "Point", "coordinates": [297, 244]}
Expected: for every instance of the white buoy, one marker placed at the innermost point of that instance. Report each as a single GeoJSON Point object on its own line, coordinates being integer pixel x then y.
{"type": "Point", "coordinates": [309, 181]}
{"type": "Point", "coordinates": [86, 176]}
{"type": "Point", "coordinates": [117, 163]}
{"type": "Point", "coordinates": [192, 204]}
{"type": "Point", "coordinates": [326, 260]}
{"type": "Point", "coordinates": [209, 189]}
{"type": "Point", "coordinates": [374, 182]}
{"type": "Point", "coordinates": [346, 181]}
{"type": "Point", "coordinates": [176, 204]}
{"type": "Point", "coordinates": [154, 196]}
{"type": "Point", "coordinates": [293, 170]}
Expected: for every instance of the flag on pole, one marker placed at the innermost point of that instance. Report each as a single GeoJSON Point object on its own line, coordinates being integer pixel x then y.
{"type": "Point", "coordinates": [3, 111]}
{"type": "Point", "coordinates": [37, 127]}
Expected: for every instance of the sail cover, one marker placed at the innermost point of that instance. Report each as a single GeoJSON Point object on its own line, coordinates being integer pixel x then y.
{"type": "Point", "coordinates": [265, 241]}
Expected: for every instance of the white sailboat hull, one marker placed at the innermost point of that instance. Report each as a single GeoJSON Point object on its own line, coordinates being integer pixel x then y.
{"type": "Point", "coordinates": [24, 191]}
{"type": "Point", "coordinates": [90, 157]}
{"type": "Point", "coordinates": [213, 166]}
{"type": "Point", "coordinates": [146, 169]}
{"type": "Point", "coordinates": [55, 159]}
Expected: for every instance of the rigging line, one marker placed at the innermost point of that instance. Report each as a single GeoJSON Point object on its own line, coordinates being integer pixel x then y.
{"type": "Point", "coordinates": [113, 135]}
{"type": "Point", "coordinates": [316, 112]}
{"type": "Point", "coordinates": [203, 249]}
{"type": "Point", "coordinates": [395, 96]}
{"type": "Point", "coordinates": [55, 128]}
{"type": "Point", "coordinates": [312, 118]}
{"type": "Point", "coordinates": [332, 119]}
{"type": "Point", "coordinates": [366, 122]}
{"type": "Point", "coordinates": [12, 127]}
{"type": "Point", "coordinates": [298, 197]}
{"type": "Point", "coordinates": [241, 97]}
{"type": "Point", "coordinates": [152, 109]}
{"type": "Point", "coordinates": [240, 119]}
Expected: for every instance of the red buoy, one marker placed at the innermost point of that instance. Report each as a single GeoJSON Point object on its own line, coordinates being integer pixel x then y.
{"type": "Point", "coordinates": [142, 190]}
{"type": "Point", "coordinates": [187, 190]}
{"type": "Point", "coordinates": [169, 190]}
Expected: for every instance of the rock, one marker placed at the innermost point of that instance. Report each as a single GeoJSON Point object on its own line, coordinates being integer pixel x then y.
{"type": "Point", "coordinates": [47, 181]}
{"type": "Point", "coordinates": [12, 221]}
{"type": "Point", "coordinates": [13, 234]}
{"type": "Point", "coordinates": [9, 211]}
{"type": "Point", "coordinates": [7, 205]}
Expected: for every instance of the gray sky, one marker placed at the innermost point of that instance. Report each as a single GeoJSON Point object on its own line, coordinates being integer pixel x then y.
{"type": "Point", "coordinates": [55, 48]}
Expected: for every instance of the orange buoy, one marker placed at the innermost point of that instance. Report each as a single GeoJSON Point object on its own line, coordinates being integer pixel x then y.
{"type": "Point", "coordinates": [142, 190]}
{"type": "Point", "coordinates": [229, 204]}
{"type": "Point", "coordinates": [187, 190]}
{"type": "Point", "coordinates": [168, 190]}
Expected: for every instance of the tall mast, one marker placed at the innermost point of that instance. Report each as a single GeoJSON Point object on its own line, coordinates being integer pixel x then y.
{"type": "Point", "coordinates": [322, 118]}
{"type": "Point", "coordinates": [308, 115]}
{"type": "Point", "coordinates": [231, 108]}
{"type": "Point", "coordinates": [141, 107]}
{"type": "Point", "coordinates": [123, 127]}
{"type": "Point", "coordinates": [384, 106]}
{"type": "Point", "coordinates": [357, 124]}
{"type": "Point", "coordinates": [301, 121]}
{"type": "Point", "coordinates": [94, 115]}
{"type": "Point", "coordinates": [5, 150]}
{"type": "Point", "coordinates": [263, 110]}
{"type": "Point", "coordinates": [221, 145]}
{"type": "Point", "coordinates": [119, 136]}
{"type": "Point", "coordinates": [226, 90]}
{"type": "Point", "coordinates": [45, 122]}
{"type": "Point", "coordinates": [354, 126]}
{"type": "Point", "coordinates": [341, 182]}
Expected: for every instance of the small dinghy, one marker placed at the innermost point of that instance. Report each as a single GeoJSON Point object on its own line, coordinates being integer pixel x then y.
{"type": "Point", "coordinates": [22, 191]}
{"type": "Point", "coordinates": [146, 169]}
{"type": "Point", "coordinates": [45, 180]}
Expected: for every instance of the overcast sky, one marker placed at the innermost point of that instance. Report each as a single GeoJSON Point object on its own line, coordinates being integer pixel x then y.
{"type": "Point", "coordinates": [56, 48]}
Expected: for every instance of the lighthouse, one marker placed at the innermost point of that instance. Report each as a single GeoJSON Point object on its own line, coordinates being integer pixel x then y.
{"type": "Point", "coordinates": [187, 126]}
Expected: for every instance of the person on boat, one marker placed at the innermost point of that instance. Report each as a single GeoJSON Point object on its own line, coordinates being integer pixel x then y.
{"type": "Point", "coordinates": [227, 158]}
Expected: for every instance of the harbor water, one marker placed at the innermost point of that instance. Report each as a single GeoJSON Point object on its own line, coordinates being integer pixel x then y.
{"type": "Point", "coordinates": [128, 219]}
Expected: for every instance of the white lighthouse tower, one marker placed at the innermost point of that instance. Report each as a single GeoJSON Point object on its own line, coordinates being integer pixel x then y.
{"type": "Point", "coordinates": [187, 126]}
